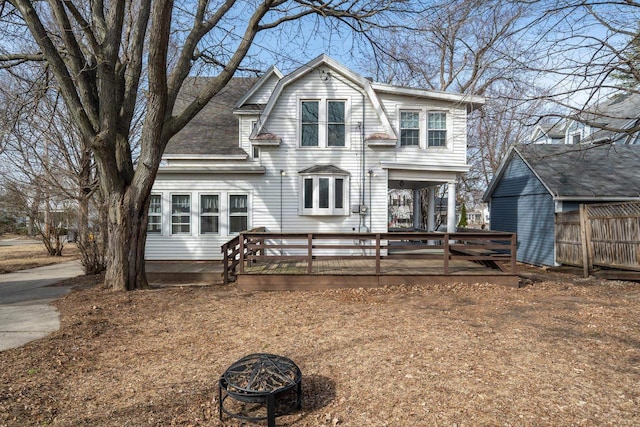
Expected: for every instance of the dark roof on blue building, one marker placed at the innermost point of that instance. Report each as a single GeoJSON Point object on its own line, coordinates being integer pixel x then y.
{"type": "Point", "coordinates": [604, 172]}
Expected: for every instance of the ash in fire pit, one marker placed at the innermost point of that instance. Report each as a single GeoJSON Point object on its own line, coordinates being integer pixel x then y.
{"type": "Point", "coordinates": [260, 382]}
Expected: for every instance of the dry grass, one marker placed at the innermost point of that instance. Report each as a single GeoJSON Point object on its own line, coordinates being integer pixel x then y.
{"type": "Point", "coordinates": [559, 351]}
{"type": "Point", "coordinates": [31, 255]}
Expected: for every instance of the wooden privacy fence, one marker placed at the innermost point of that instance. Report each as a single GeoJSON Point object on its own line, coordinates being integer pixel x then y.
{"type": "Point", "coordinates": [604, 235]}
{"type": "Point", "coordinates": [493, 249]}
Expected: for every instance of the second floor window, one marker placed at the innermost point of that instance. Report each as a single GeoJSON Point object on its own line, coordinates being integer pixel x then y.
{"type": "Point", "coordinates": [323, 123]}
{"type": "Point", "coordinates": [436, 130]}
{"type": "Point", "coordinates": [310, 119]}
{"type": "Point", "coordinates": [335, 124]}
{"type": "Point", "coordinates": [409, 128]}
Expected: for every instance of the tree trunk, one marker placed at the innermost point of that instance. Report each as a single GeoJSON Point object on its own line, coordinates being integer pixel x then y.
{"type": "Point", "coordinates": [127, 232]}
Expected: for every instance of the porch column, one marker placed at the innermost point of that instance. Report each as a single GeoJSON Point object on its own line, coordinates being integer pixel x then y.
{"type": "Point", "coordinates": [431, 209]}
{"type": "Point", "coordinates": [416, 209]}
{"type": "Point", "coordinates": [451, 208]}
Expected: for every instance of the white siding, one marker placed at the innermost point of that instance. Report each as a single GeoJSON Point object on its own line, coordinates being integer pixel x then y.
{"type": "Point", "coordinates": [261, 96]}
{"type": "Point", "coordinates": [456, 152]}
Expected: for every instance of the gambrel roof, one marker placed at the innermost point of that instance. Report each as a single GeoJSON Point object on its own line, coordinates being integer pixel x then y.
{"type": "Point", "coordinates": [580, 172]}
{"type": "Point", "coordinates": [213, 132]}
{"type": "Point", "coordinates": [369, 89]}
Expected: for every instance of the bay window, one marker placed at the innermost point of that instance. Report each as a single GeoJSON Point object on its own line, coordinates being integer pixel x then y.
{"type": "Point", "coordinates": [324, 195]}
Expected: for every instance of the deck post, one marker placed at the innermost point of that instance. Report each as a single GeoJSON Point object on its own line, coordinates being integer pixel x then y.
{"type": "Point", "coordinates": [447, 254]}
{"type": "Point", "coordinates": [225, 264]}
{"type": "Point", "coordinates": [309, 253]}
{"type": "Point", "coordinates": [241, 243]}
{"type": "Point", "coordinates": [377, 253]}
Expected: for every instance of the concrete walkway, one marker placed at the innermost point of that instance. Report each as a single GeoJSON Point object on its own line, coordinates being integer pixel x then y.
{"type": "Point", "coordinates": [25, 312]}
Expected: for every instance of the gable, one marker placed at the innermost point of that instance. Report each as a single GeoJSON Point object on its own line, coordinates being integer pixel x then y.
{"type": "Point", "coordinates": [322, 76]}
{"type": "Point", "coordinates": [518, 180]}
{"type": "Point", "coordinates": [262, 89]}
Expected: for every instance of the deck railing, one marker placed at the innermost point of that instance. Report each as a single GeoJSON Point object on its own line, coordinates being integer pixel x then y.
{"type": "Point", "coordinates": [492, 249]}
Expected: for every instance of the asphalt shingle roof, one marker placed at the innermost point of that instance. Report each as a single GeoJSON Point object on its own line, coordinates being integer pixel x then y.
{"type": "Point", "coordinates": [618, 113]}
{"type": "Point", "coordinates": [586, 171]}
{"type": "Point", "coordinates": [214, 130]}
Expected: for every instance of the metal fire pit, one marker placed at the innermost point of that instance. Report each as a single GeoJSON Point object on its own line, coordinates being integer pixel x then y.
{"type": "Point", "coordinates": [264, 381]}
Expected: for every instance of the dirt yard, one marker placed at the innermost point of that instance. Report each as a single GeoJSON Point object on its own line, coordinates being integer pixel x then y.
{"type": "Point", "coordinates": [31, 255]}
{"type": "Point", "coordinates": [557, 351]}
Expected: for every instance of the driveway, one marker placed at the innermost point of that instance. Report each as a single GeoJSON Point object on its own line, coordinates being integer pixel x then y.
{"type": "Point", "coordinates": [25, 296]}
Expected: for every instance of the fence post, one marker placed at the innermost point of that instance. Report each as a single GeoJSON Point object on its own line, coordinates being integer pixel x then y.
{"type": "Point", "coordinates": [584, 240]}
{"type": "Point", "coordinates": [588, 231]}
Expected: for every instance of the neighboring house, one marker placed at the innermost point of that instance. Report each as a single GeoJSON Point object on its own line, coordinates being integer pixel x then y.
{"type": "Point", "coordinates": [611, 122]}
{"type": "Point", "coordinates": [536, 181]}
{"type": "Point", "coordinates": [313, 151]}
{"type": "Point", "coordinates": [553, 133]}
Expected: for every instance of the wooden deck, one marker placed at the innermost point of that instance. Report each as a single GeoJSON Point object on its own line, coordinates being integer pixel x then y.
{"type": "Point", "coordinates": [350, 273]}
{"type": "Point", "coordinates": [209, 272]}
{"type": "Point", "coordinates": [289, 261]}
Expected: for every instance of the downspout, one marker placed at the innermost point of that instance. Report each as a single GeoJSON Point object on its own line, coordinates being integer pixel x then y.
{"type": "Point", "coordinates": [363, 222]}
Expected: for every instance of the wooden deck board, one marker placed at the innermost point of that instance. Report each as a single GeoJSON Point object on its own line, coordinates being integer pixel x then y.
{"type": "Point", "coordinates": [345, 273]}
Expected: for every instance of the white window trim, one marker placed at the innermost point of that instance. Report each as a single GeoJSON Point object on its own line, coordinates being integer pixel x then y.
{"type": "Point", "coordinates": [424, 129]}
{"type": "Point", "coordinates": [160, 215]}
{"type": "Point", "coordinates": [254, 148]}
{"type": "Point", "coordinates": [331, 210]}
{"type": "Point", "coordinates": [200, 214]}
{"type": "Point", "coordinates": [229, 214]}
{"type": "Point", "coordinates": [323, 124]}
{"type": "Point", "coordinates": [190, 214]}
{"type": "Point", "coordinates": [421, 127]}
{"type": "Point", "coordinates": [447, 129]}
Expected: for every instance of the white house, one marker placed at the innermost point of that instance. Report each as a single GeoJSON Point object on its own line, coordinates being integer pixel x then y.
{"type": "Point", "coordinates": [313, 151]}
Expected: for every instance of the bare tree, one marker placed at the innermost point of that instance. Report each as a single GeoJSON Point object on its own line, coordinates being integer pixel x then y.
{"type": "Point", "coordinates": [474, 47]}
{"type": "Point", "coordinates": [105, 55]}
{"type": "Point", "coordinates": [586, 51]}
{"type": "Point", "coordinates": [51, 167]}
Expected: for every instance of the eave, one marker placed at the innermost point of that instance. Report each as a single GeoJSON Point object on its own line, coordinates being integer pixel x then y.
{"type": "Point", "coordinates": [223, 169]}
{"type": "Point", "coordinates": [473, 102]}
{"type": "Point", "coordinates": [421, 167]}
{"type": "Point", "coordinates": [204, 157]}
